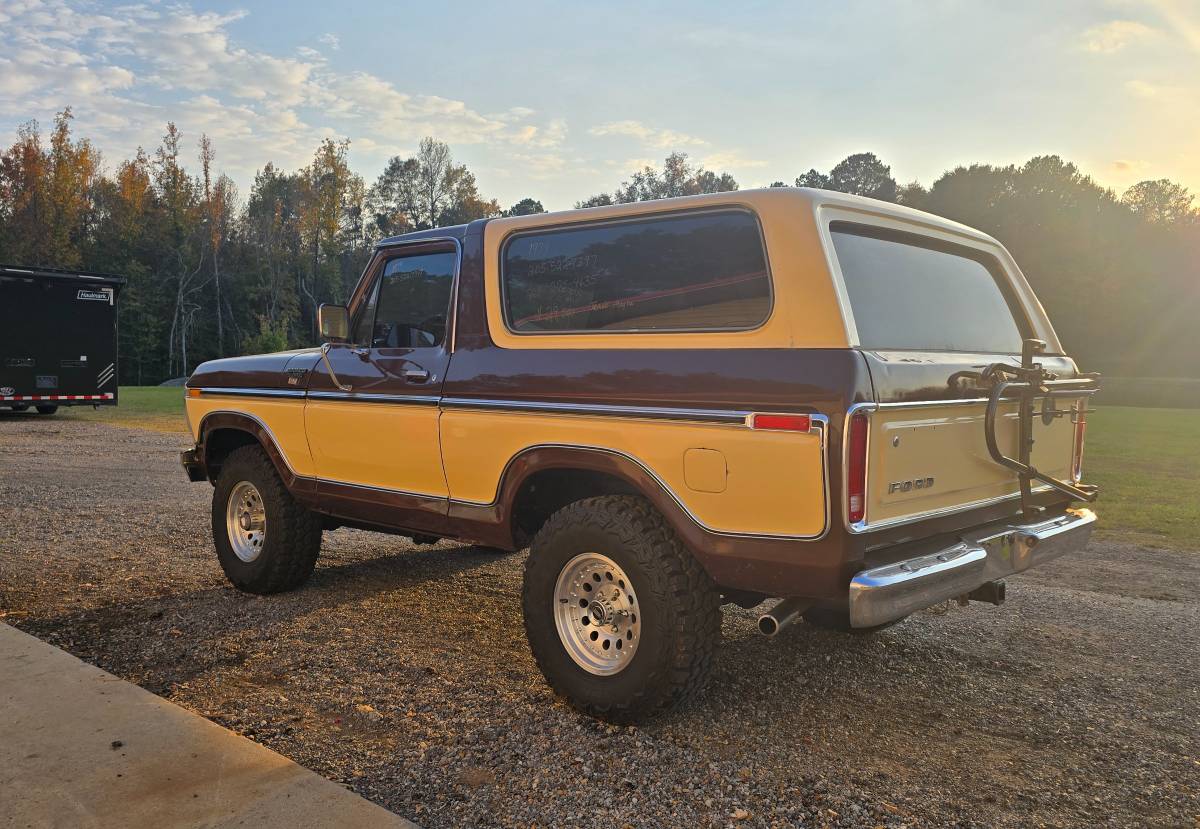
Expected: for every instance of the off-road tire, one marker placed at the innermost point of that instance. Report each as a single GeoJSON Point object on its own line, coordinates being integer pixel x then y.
{"type": "Point", "coordinates": [47, 410]}
{"type": "Point", "coordinates": [681, 608]}
{"type": "Point", "coordinates": [838, 620]}
{"type": "Point", "coordinates": [292, 538]}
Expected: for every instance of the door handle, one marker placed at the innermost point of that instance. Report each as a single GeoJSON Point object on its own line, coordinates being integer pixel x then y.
{"type": "Point", "coordinates": [363, 354]}
{"type": "Point", "coordinates": [416, 375]}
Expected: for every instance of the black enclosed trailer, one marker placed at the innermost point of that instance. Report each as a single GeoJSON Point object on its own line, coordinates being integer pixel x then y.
{"type": "Point", "coordinates": [58, 338]}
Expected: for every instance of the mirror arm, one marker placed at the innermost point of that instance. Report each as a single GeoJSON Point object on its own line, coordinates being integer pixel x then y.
{"type": "Point", "coordinates": [329, 368]}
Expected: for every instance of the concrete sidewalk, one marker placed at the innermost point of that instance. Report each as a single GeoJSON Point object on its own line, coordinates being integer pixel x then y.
{"type": "Point", "coordinates": [81, 748]}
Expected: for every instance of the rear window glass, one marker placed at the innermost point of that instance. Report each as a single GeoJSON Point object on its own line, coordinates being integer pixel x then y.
{"type": "Point", "coordinates": [697, 271]}
{"type": "Point", "coordinates": [906, 296]}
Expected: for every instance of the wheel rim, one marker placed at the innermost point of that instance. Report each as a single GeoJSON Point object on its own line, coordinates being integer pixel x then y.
{"type": "Point", "coordinates": [597, 614]}
{"type": "Point", "coordinates": [246, 521]}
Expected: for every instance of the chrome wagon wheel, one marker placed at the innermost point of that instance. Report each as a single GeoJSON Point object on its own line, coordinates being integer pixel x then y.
{"type": "Point", "coordinates": [246, 521]}
{"type": "Point", "coordinates": [596, 614]}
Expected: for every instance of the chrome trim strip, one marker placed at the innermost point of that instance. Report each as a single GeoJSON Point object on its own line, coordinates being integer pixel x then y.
{"type": "Point", "coordinates": [923, 404]}
{"type": "Point", "coordinates": [726, 416]}
{"type": "Point", "coordinates": [250, 392]}
{"type": "Point", "coordinates": [360, 397]}
{"type": "Point", "coordinates": [942, 512]}
{"type": "Point", "coordinates": [657, 412]}
{"type": "Point", "coordinates": [857, 526]}
{"type": "Point", "coordinates": [821, 421]}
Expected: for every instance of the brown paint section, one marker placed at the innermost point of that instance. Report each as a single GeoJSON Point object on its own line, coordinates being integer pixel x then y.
{"type": "Point", "coordinates": [393, 510]}
{"type": "Point", "coordinates": [259, 371]}
{"type": "Point", "coordinates": [907, 376]}
{"type": "Point", "coordinates": [818, 381]}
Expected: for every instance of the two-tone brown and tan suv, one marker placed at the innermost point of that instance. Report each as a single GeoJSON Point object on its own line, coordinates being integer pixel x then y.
{"type": "Point", "coordinates": [851, 406]}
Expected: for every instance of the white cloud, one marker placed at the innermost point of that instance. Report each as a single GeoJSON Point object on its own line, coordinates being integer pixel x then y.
{"type": "Point", "coordinates": [1113, 36]}
{"type": "Point", "coordinates": [650, 136]}
{"type": "Point", "coordinates": [119, 66]}
{"type": "Point", "coordinates": [551, 135]}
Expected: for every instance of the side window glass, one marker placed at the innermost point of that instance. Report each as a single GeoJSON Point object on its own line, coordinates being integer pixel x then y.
{"type": "Point", "coordinates": [413, 302]}
{"type": "Point", "coordinates": [697, 271]}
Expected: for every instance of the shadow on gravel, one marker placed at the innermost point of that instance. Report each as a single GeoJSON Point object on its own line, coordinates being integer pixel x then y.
{"type": "Point", "coordinates": [173, 634]}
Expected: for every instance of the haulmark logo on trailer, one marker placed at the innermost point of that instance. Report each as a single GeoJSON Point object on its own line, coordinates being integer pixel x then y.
{"type": "Point", "coordinates": [102, 295]}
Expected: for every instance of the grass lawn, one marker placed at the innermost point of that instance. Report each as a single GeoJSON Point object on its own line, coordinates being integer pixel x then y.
{"type": "Point", "coordinates": [1146, 461]}
{"type": "Point", "coordinates": [159, 408]}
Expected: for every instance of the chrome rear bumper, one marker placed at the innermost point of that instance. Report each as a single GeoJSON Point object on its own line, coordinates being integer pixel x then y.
{"type": "Point", "coordinates": [883, 594]}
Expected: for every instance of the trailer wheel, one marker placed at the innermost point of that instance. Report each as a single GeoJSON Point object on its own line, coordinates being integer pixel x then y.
{"type": "Point", "coordinates": [621, 619]}
{"type": "Point", "coordinates": [266, 541]}
{"type": "Point", "coordinates": [47, 410]}
{"type": "Point", "coordinates": [19, 407]}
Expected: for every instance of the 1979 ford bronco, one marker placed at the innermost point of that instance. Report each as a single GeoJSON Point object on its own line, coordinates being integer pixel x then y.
{"type": "Point", "coordinates": [854, 407]}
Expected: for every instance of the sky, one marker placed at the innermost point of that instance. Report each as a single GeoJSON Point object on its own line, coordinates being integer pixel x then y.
{"type": "Point", "coordinates": [558, 101]}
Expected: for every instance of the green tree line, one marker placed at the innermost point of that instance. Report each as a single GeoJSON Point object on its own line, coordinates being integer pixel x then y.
{"type": "Point", "coordinates": [213, 272]}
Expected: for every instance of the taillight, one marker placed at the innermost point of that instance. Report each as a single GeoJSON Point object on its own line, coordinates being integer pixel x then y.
{"type": "Point", "coordinates": [1080, 430]}
{"type": "Point", "coordinates": [856, 469]}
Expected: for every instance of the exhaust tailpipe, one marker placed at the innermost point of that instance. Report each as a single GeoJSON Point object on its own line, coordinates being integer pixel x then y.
{"type": "Point", "coordinates": [781, 615]}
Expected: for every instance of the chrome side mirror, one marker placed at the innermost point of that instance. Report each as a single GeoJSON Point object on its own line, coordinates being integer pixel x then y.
{"type": "Point", "coordinates": [333, 321]}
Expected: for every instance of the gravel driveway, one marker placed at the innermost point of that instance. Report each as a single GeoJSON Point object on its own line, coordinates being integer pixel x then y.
{"type": "Point", "coordinates": [403, 672]}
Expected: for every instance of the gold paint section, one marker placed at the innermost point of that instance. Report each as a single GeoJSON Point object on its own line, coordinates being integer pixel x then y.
{"type": "Point", "coordinates": [947, 444]}
{"type": "Point", "coordinates": [284, 417]}
{"type": "Point", "coordinates": [377, 444]}
{"type": "Point", "coordinates": [775, 481]}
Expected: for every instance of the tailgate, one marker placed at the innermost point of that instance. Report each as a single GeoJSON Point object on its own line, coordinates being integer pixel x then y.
{"type": "Point", "coordinates": [931, 458]}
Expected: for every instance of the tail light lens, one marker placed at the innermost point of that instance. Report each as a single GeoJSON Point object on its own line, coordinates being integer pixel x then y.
{"type": "Point", "coordinates": [856, 469]}
{"type": "Point", "coordinates": [1080, 430]}
{"type": "Point", "coordinates": [781, 422]}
